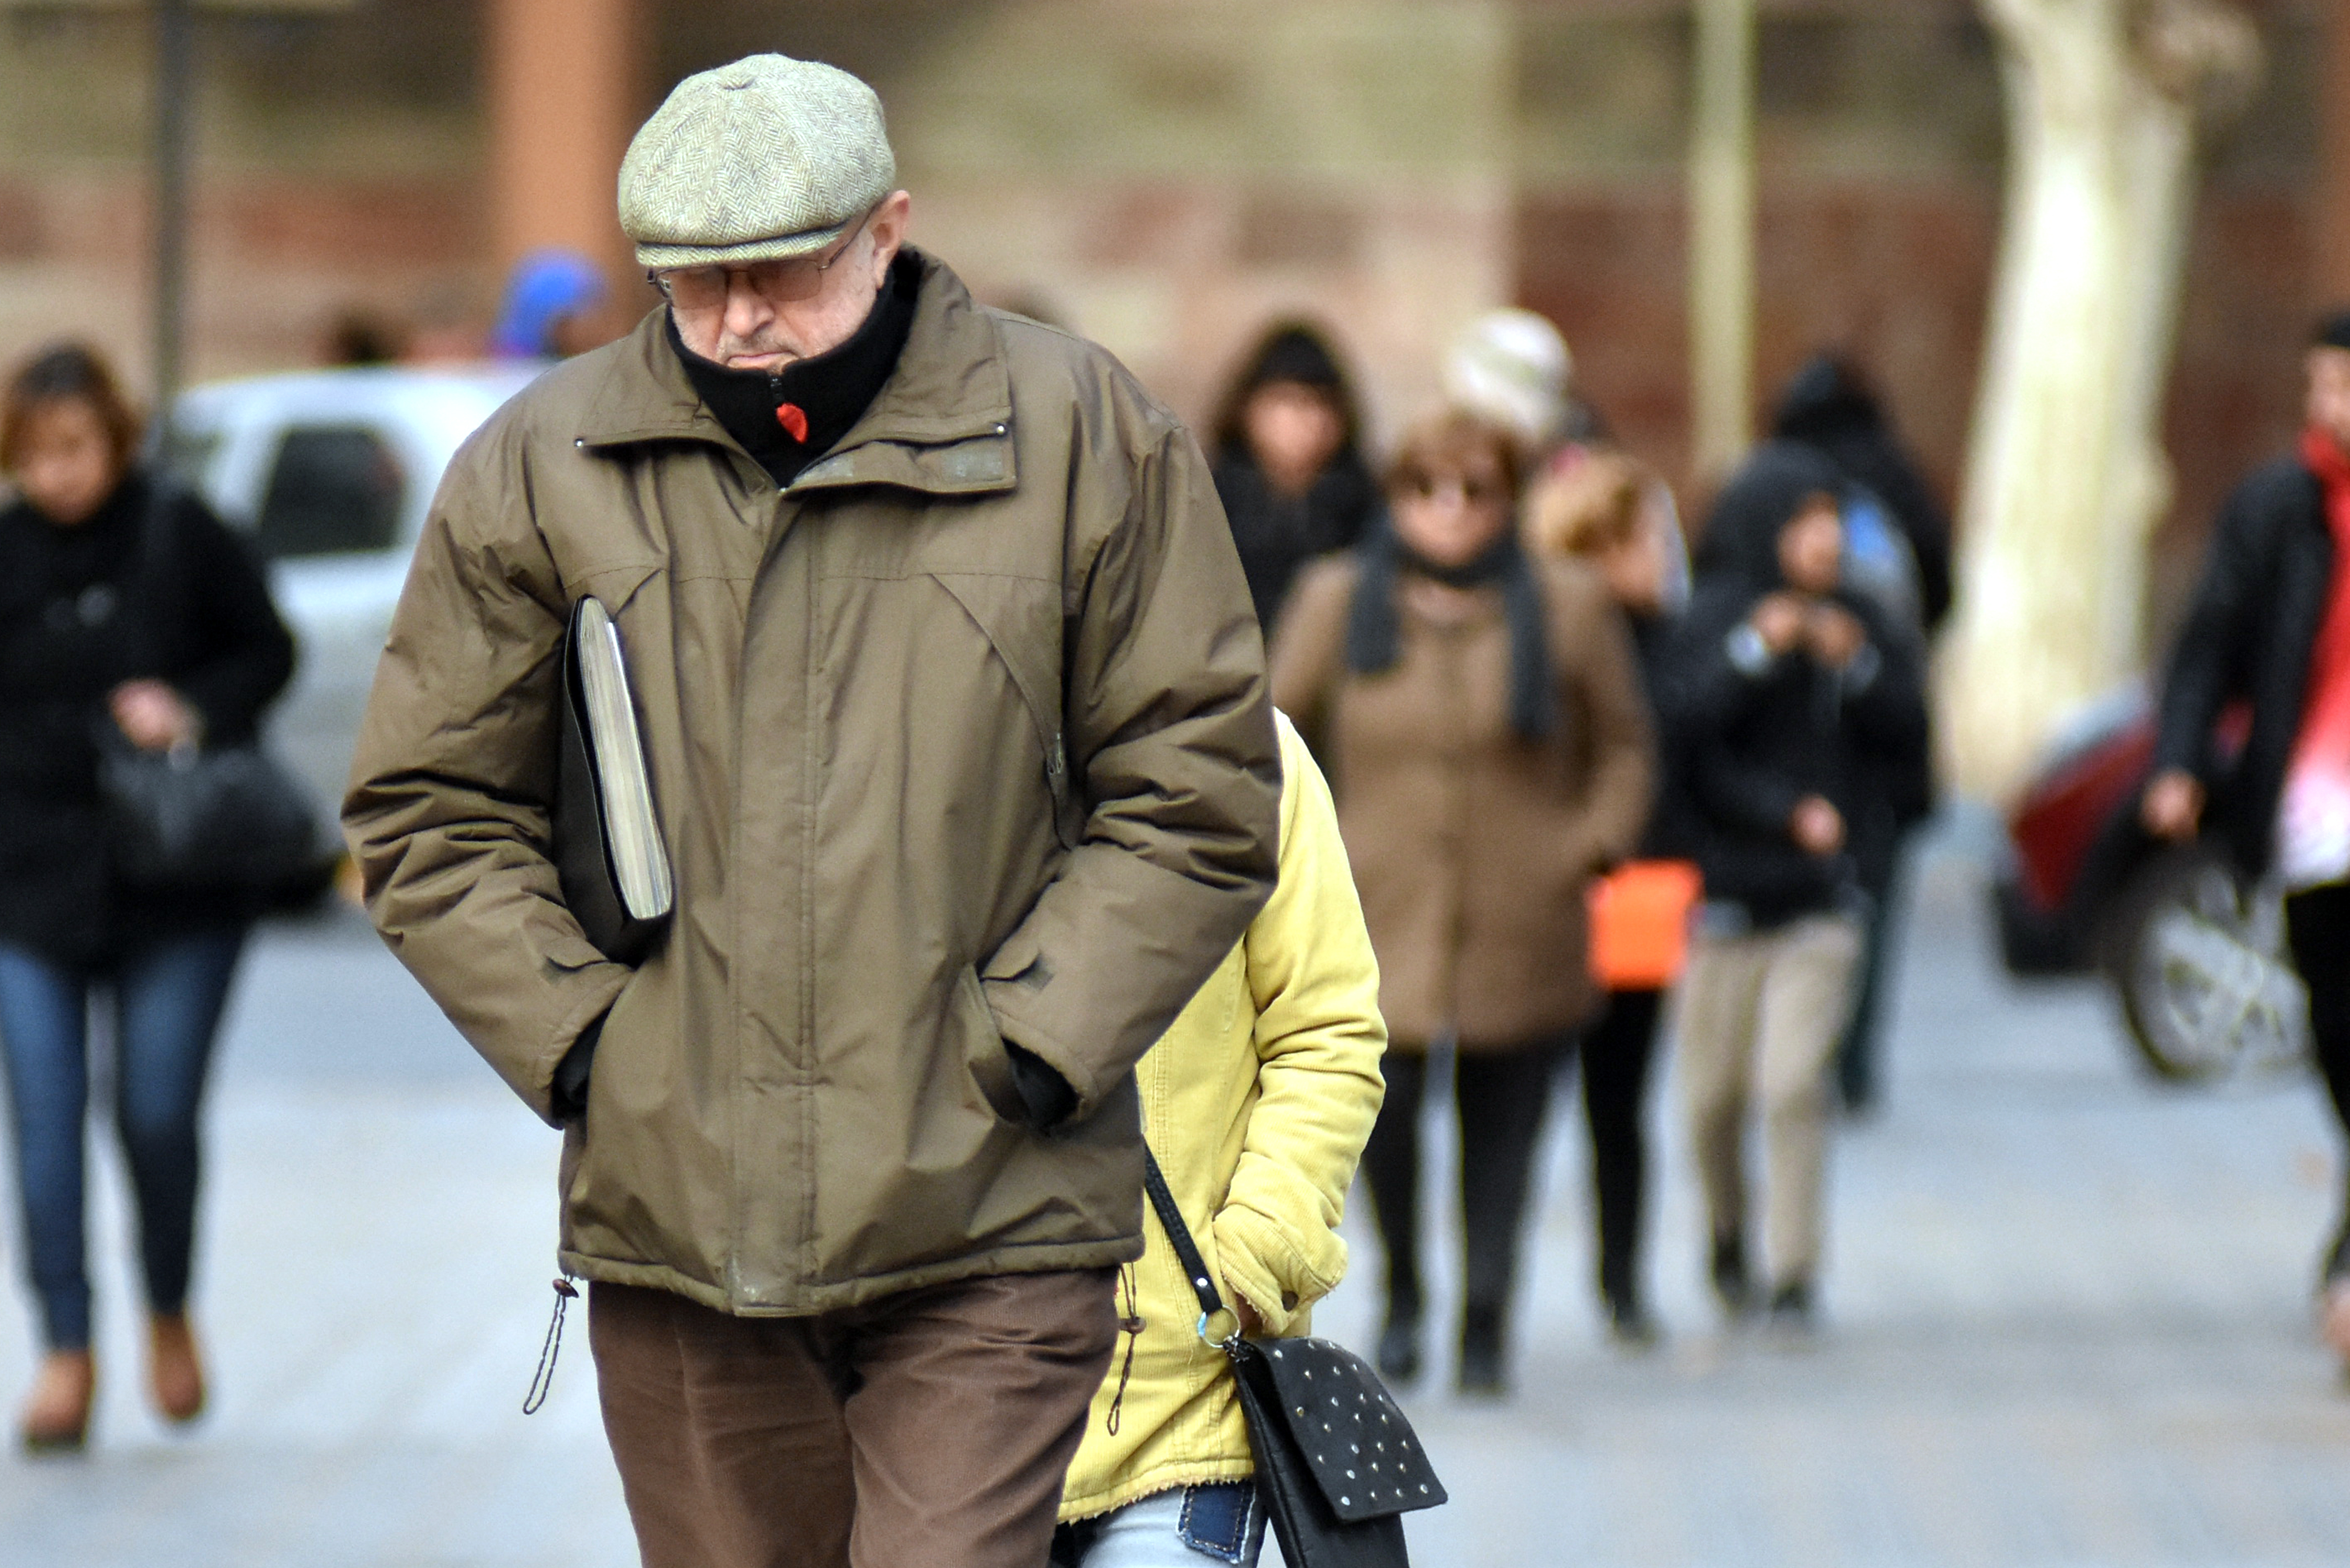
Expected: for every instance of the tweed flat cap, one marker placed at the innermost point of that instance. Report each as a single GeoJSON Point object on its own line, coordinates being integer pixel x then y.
{"type": "Point", "coordinates": [766, 157]}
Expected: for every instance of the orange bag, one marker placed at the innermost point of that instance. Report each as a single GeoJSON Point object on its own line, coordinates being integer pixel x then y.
{"type": "Point", "coordinates": [1639, 923]}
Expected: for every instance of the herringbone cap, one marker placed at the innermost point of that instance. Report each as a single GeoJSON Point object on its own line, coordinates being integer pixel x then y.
{"type": "Point", "coordinates": [767, 157]}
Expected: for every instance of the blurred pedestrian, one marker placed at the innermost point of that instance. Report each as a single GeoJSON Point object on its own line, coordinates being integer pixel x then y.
{"type": "Point", "coordinates": [1793, 703]}
{"type": "Point", "coordinates": [360, 338]}
{"type": "Point", "coordinates": [1483, 717]}
{"type": "Point", "coordinates": [1289, 463]}
{"type": "Point", "coordinates": [944, 674]}
{"type": "Point", "coordinates": [1259, 1099]}
{"type": "Point", "coordinates": [95, 637]}
{"type": "Point", "coordinates": [549, 308]}
{"type": "Point", "coordinates": [1898, 542]}
{"type": "Point", "coordinates": [1513, 366]}
{"type": "Point", "coordinates": [1830, 407]}
{"type": "Point", "coordinates": [2269, 627]}
{"type": "Point", "coordinates": [1615, 515]}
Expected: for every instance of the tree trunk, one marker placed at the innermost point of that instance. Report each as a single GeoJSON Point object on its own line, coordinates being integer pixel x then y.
{"type": "Point", "coordinates": [2066, 475]}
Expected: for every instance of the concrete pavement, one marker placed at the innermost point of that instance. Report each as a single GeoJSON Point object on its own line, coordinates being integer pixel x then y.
{"type": "Point", "coordinates": [2067, 1321]}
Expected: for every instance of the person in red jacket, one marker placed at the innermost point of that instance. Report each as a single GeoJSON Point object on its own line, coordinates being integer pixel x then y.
{"type": "Point", "coordinates": [2271, 625]}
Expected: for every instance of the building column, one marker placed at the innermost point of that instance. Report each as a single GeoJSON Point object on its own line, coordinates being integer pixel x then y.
{"type": "Point", "coordinates": [563, 100]}
{"type": "Point", "coordinates": [1722, 239]}
{"type": "Point", "coordinates": [2331, 276]}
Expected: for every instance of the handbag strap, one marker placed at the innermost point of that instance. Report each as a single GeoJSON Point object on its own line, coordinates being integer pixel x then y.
{"type": "Point", "coordinates": [1187, 1250]}
{"type": "Point", "coordinates": [147, 587]}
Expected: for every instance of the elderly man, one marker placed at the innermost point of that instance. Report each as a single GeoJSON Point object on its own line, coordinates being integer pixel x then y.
{"type": "Point", "coordinates": [955, 718]}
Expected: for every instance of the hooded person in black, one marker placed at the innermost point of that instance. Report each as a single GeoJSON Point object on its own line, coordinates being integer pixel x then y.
{"type": "Point", "coordinates": [1829, 412]}
{"type": "Point", "coordinates": [1829, 408]}
{"type": "Point", "coordinates": [1288, 462]}
{"type": "Point", "coordinates": [1795, 701]}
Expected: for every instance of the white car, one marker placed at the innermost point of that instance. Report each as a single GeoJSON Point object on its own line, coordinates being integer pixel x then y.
{"type": "Point", "coordinates": [329, 474]}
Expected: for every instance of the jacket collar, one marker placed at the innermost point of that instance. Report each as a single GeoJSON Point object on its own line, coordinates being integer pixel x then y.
{"type": "Point", "coordinates": [941, 423]}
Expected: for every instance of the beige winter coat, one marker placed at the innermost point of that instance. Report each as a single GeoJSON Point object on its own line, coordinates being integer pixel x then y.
{"type": "Point", "coordinates": [1474, 848]}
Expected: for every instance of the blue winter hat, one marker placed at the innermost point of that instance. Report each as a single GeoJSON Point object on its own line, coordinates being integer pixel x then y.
{"type": "Point", "coordinates": [546, 287]}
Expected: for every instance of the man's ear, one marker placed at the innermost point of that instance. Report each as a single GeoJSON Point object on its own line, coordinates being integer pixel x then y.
{"type": "Point", "coordinates": [889, 226]}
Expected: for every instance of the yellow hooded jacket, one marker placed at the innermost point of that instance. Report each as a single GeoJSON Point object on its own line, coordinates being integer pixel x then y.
{"type": "Point", "coordinates": [1257, 1101]}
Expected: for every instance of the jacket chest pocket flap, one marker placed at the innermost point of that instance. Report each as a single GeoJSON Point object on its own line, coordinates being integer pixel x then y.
{"type": "Point", "coordinates": [1021, 618]}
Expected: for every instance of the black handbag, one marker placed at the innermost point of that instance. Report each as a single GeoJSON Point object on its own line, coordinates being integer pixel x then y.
{"type": "Point", "coordinates": [1336, 1463]}
{"type": "Point", "coordinates": [196, 817]}
{"type": "Point", "coordinates": [199, 816]}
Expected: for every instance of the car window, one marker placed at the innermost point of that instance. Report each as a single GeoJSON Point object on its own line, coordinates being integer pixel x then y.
{"type": "Point", "coordinates": [188, 459]}
{"type": "Point", "coordinates": [334, 489]}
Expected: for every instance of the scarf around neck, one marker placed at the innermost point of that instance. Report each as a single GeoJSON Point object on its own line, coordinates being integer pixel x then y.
{"type": "Point", "coordinates": [1374, 625]}
{"type": "Point", "coordinates": [786, 419]}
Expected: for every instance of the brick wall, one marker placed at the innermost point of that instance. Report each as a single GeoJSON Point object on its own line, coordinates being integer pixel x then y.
{"type": "Point", "coordinates": [1168, 176]}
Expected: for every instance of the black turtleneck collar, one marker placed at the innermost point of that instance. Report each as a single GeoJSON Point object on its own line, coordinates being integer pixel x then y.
{"type": "Point", "coordinates": [788, 418]}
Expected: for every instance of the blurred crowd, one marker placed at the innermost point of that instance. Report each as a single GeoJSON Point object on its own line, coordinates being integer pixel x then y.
{"type": "Point", "coordinates": [1495, 637]}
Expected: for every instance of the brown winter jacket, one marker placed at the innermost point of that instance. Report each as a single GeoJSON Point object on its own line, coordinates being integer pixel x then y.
{"type": "Point", "coordinates": [1472, 848]}
{"type": "Point", "coordinates": [960, 738]}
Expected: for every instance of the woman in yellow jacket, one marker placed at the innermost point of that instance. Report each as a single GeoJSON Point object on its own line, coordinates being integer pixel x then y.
{"type": "Point", "coordinates": [1256, 1100]}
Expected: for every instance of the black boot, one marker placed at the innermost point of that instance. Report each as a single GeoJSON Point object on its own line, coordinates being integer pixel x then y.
{"type": "Point", "coordinates": [1629, 1326]}
{"type": "Point", "coordinates": [1728, 1267]}
{"type": "Point", "coordinates": [1398, 1357]}
{"type": "Point", "coordinates": [1481, 1333]}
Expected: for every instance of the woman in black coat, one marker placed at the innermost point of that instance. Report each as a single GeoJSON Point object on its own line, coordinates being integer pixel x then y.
{"type": "Point", "coordinates": [1288, 464]}
{"type": "Point", "coordinates": [125, 615]}
{"type": "Point", "coordinates": [1615, 515]}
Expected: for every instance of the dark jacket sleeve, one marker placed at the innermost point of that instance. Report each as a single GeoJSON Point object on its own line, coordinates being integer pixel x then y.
{"type": "Point", "coordinates": [1737, 794]}
{"type": "Point", "coordinates": [1885, 702]}
{"type": "Point", "coordinates": [1713, 695]}
{"type": "Point", "coordinates": [240, 653]}
{"type": "Point", "coordinates": [2207, 664]}
{"type": "Point", "coordinates": [1171, 736]}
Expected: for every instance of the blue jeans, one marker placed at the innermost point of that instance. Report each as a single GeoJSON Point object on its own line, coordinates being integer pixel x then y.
{"type": "Point", "coordinates": [168, 994]}
{"type": "Point", "coordinates": [1187, 1528]}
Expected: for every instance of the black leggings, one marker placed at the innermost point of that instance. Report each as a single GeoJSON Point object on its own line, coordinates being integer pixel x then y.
{"type": "Point", "coordinates": [1500, 1096]}
{"type": "Point", "coordinates": [2317, 924]}
{"type": "Point", "coordinates": [1615, 1055]}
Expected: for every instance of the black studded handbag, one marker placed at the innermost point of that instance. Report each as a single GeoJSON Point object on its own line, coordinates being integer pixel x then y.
{"type": "Point", "coordinates": [1336, 1463]}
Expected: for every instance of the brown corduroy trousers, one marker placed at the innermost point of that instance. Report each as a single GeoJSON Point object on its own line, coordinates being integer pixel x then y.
{"type": "Point", "coordinates": [932, 1427]}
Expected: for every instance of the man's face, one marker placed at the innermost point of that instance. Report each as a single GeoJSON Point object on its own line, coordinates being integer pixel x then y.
{"type": "Point", "coordinates": [755, 328]}
{"type": "Point", "coordinates": [2329, 393]}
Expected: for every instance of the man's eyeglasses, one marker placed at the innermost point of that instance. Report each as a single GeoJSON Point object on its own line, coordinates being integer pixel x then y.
{"type": "Point", "coordinates": [786, 280]}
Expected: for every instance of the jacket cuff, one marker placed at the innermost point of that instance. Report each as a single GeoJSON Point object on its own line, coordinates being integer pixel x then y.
{"type": "Point", "coordinates": [1046, 1096]}
{"type": "Point", "coordinates": [1258, 1261]}
{"type": "Point", "coordinates": [1004, 997]}
{"type": "Point", "coordinates": [567, 1093]}
{"type": "Point", "coordinates": [540, 1094]}
{"type": "Point", "coordinates": [1747, 652]}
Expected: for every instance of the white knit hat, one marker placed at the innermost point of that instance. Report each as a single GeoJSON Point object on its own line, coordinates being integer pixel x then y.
{"type": "Point", "coordinates": [1511, 366]}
